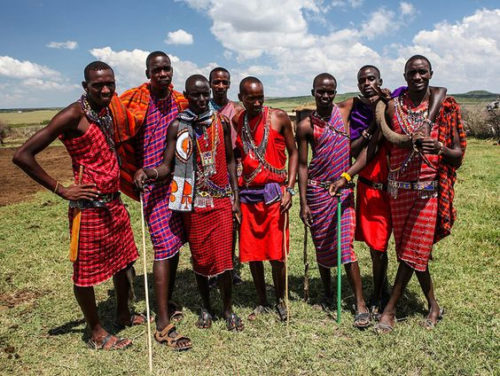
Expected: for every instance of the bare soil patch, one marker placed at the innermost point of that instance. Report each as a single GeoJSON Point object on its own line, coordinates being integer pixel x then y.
{"type": "Point", "coordinates": [16, 186]}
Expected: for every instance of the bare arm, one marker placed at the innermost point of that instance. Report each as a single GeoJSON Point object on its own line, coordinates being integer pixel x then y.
{"type": "Point", "coordinates": [438, 95]}
{"type": "Point", "coordinates": [165, 169]}
{"type": "Point", "coordinates": [304, 136]}
{"type": "Point", "coordinates": [69, 122]}
{"type": "Point", "coordinates": [231, 167]}
{"type": "Point", "coordinates": [285, 128]}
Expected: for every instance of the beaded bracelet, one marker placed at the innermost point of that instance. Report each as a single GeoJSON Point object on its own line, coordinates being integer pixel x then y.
{"type": "Point", "coordinates": [157, 174]}
{"type": "Point", "coordinates": [346, 176]}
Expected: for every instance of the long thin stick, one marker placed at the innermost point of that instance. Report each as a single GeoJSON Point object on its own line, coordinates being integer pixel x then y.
{"type": "Point", "coordinates": [306, 267]}
{"type": "Point", "coordinates": [339, 256]}
{"type": "Point", "coordinates": [146, 289]}
{"type": "Point", "coordinates": [286, 270]}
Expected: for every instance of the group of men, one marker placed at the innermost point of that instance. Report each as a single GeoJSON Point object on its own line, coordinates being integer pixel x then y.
{"type": "Point", "coordinates": [207, 168]}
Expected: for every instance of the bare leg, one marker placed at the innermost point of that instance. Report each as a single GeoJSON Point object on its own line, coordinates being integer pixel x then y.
{"type": "Point", "coordinates": [354, 276]}
{"type": "Point", "coordinates": [164, 273]}
{"type": "Point", "coordinates": [403, 276]}
{"type": "Point", "coordinates": [257, 269]}
{"type": "Point", "coordinates": [226, 286]}
{"type": "Point", "coordinates": [380, 286]}
{"type": "Point", "coordinates": [86, 300]}
{"type": "Point", "coordinates": [424, 278]}
{"type": "Point", "coordinates": [326, 278]}
{"type": "Point", "coordinates": [279, 276]}
{"type": "Point", "coordinates": [204, 290]}
{"type": "Point", "coordinates": [122, 287]}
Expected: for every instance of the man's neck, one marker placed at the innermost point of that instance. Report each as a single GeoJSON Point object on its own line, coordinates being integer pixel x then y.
{"type": "Point", "coordinates": [221, 102]}
{"type": "Point", "coordinates": [324, 112]}
{"type": "Point", "coordinates": [160, 94]}
{"type": "Point", "coordinates": [417, 97]}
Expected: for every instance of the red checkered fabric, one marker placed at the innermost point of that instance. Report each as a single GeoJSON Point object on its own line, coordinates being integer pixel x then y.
{"type": "Point", "coordinates": [210, 236]}
{"type": "Point", "coordinates": [106, 243]}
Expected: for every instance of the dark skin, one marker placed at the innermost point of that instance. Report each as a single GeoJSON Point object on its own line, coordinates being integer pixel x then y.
{"type": "Point", "coordinates": [220, 83]}
{"type": "Point", "coordinates": [324, 92]}
{"type": "Point", "coordinates": [198, 95]}
{"type": "Point", "coordinates": [369, 84]}
{"type": "Point", "coordinates": [160, 73]}
{"type": "Point", "coordinates": [252, 98]}
{"type": "Point", "coordinates": [417, 75]}
{"type": "Point", "coordinates": [70, 123]}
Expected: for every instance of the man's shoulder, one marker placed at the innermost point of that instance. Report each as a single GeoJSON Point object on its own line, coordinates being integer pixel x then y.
{"type": "Point", "coordinates": [131, 91]}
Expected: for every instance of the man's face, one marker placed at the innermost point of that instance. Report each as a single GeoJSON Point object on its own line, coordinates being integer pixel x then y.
{"type": "Point", "coordinates": [368, 82]}
{"type": "Point", "coordinates": [324, 92]}
{"type": "Point", "coordinates": [100, 87]}
{"type": "Point", "coordinates": [198, 94]}
{"type": "Point", "coordinates": [417, 75]}
{"type": "Point", "coordinates": [220, 84]}
{"type": "Point", "coordinates": [160, 73]}
{"type": "Point", "coordinates": [252, 98]}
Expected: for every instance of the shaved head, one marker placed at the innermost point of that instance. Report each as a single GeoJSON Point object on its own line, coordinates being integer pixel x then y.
{"type": "Point", "coordinates": [321, 77]}
{"type": "Point", "coordinates": [247, 81]}
{"type": "Point", "coordinates": [418, 57]}
{"type": "Point", "coordinates": [193, 81]}
{"type": "Point", "coordinates": [154, 54]}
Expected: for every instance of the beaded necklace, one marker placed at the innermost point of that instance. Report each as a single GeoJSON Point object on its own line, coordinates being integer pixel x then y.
{"type": "Point", "coordinates": [207, 157]}
{"type": "Point", "coordinates": [102, 119]}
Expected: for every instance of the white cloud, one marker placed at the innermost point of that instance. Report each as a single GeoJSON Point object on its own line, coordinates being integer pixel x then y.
{"type": "Point", "coordinates": [69, 45]}
{"type": "Point", "coordinates": [406, 8]}
{"type": "Point", "coordinates": [379, 22]}
{"type": "Point", "coordinates": [130, 66]}
{"type": "Point", "coordinates": [39, 84]}
{"type": "Point", "coordinates": [345, 3]}
{"type": "Point", "coordinates": [179, 37]}
{"type": "Point", "coordinates": [14, 68]}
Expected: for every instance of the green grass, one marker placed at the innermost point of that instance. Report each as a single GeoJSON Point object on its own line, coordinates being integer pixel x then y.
{"type": "Point", "coordinates": [42, 332]}
{"type": "Point", "coordinates": [28, 117]}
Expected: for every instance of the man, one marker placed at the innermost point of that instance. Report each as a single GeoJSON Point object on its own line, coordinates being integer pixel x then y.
{"type": "Point", "coordinates": [220, 82]}
{"type": "Point", "coordinates": [421, 183]}
{"type": "Point", "coordinates": [328, 134]}
{"type": "Point", "coordinates": [154, 106]}
{"type": "Point", "coordinates": [266, 189]}
{"type": "Point", "coordinates": [373, 217]}
{"type": "Point", "coordinates": [204, 179]}
{"type": "Point", "coordinates": [106, 245]}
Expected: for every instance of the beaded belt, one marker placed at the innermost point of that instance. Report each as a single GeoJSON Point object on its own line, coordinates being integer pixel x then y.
{"type": "Point", "coordinates": [414, 186]}
{"type": "Point", "coordinates": [372, 184]}
{"type": "Point", "coordinates": [99, 202]}
{"type": "Point", "coordinates": [317, 183]}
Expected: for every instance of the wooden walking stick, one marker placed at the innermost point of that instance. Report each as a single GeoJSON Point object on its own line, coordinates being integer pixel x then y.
{"type": "Point", "coordinates": [286, 270]}
{"type": "Point", "coordinates": [75, 227]}
{"type": "Point", "coordinates": [306, 267]}
{"type": "Point", "coordinates": [339, 255]}
{"type": "Point", "coordinates": [146, 289]}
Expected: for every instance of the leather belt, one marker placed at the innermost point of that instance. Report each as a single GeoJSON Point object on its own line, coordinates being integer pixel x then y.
{"type": "Point", "coordinates": [372, 184]}
{"type": "Point", "coordinates": [317, 183]}
{"type": "Point", "coordinates": [414, 186]}
{"type": "Point", "coordinates": [99, 202]}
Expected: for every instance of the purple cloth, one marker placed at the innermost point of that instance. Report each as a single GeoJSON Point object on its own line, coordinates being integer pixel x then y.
{"type": "Point", "coordinates": [269, 194]}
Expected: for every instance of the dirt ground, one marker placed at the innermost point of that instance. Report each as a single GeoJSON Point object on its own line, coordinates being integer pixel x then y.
{"type": "Point", "coordinates": [16, 186]}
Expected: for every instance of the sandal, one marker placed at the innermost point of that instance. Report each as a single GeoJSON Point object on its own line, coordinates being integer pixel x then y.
{"type": "Point", "coordinates": [96, 345]}
{"type": "Point", "coordinates": [204, 320]}
{"type": "Point", "coordinates": [165, 337]}
{"type": "Point", "coordinates": [260, 309]}
{"type": "Point", "coordinates": [234, 323]}
{"type": "Point", "coordinates": [282, 311]}
{"type": "Point", "coordinates": [325, 305]}
{"type": "Point", "coordinates": [135, 319]}
{"type": "Point", "coordinates": [177, 315]}
{"type": "Point", "coordinates": [382, 328]}
{"type": "Point", "coordinates": [429, 324]}
{"type": "Point", "coordinates": [362, 320]}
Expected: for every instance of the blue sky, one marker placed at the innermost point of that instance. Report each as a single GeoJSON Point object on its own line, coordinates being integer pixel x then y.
{"type": "Point", "coordinates": [45, 44]}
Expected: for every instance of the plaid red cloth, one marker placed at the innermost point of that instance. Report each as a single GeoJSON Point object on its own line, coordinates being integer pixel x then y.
{"type": "Point", "coordinates": [106, 243]}
{"type": "Point", "coordinates": [165, 228]}
{"type": "Point", "coordinates": [129, 111]}
{"type": "Point", "coordinates": [210, 236]}
{"type": "Point", "coordinates": [449, 118]}
{"type": "Point", "coordinates": [331, 157]}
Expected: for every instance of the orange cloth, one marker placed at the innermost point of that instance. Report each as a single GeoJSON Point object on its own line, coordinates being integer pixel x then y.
{"type": "Point", "coordinates": [129, 111]}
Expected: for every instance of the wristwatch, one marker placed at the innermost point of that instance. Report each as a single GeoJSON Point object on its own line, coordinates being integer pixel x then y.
{"type": "Point", "coordinates": [291, 191]}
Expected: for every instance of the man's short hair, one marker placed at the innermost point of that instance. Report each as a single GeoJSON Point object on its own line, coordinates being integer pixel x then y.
{"type": "Point", "coordinates": [370, 67]}
{"type": "Point", "coordinates": [418, 57]}
{"type": "Point", "coordinates": [218, 69]}
{"type": "Point", "coordinates": [154, 54]}
{"type": "Point", "coordinates": [194, 78]}
{"type": "Point", "coordinates": [322, 76]}
{"type": "Point", "coordinates": [95, 66]}
{"type": "Point", "coordinates": [249, 79]}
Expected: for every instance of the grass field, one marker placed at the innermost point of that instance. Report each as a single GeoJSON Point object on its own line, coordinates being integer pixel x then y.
{"type": "Point", "coordinates": [42, 331]}
{"type": "Point", "coordinates": [16, 118]}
